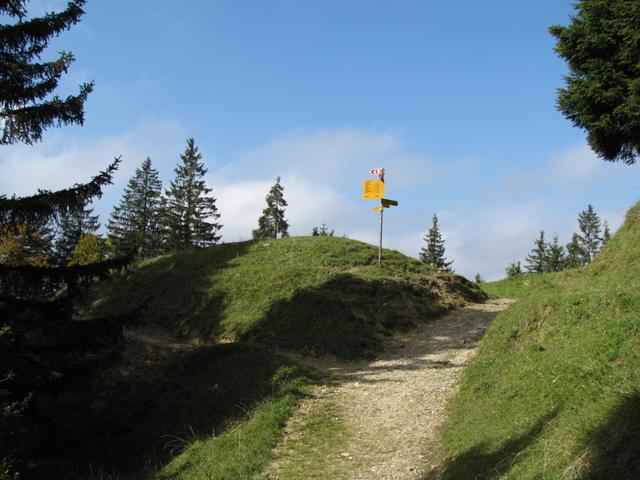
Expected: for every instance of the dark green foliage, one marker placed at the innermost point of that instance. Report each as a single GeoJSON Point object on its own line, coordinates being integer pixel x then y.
{"type": "Point", "coordinates": [602, 93]}
{"type": "Point", "coordinates": [433, 251]}
{"type": "Point", "coordinates": [537, 259]}
{"type": "Point", "coordinates": [589, 235]}
{"type": "Point", "coordinates": [478, 279]}
{"type": "Point", "coordinates": [606, 234]}
{"type": "Point", "coordinates": [323, 231]}
{"type": "Point", "coordinates": [45, 354]}
{"type": "Point", "coordinates": [556, 257]}
{"type": "Point", "coordinates": [71, 226]}
{"type": "Point", "coordinates": [135, 224]}
{"type": "Point", "coordinates": [272, 222]}
{"type": "Point", "coordinates": [26, 83]}
{"type": "Point", "coordinates": [190, 212]}
{"type": "Point", "coordinates": [575, 253]}
{"type": "Point", "coordinates": [513, 269]}
{"type": "Point", "coordinates": [43, 351]}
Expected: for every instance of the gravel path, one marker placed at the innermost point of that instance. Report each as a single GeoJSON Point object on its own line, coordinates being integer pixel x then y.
{"type": "Point", "coordinates": [393, 406]}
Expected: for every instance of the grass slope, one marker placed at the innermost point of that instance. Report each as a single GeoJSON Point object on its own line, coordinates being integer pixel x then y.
{"type": "Point", "coordinates": [313, 294]}
{"type": "Point", "coordinates": [554, 392]}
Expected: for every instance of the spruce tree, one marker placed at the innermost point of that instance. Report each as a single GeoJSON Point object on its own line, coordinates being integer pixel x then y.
{"type": "Point", "coordinates": [589, 236]}
{"type": "Point", "coordinates": [71, 226]}
{"type": "Point", "coordinates": [42, 354]}
{"type": "Point", "coordinates": [26, 83]}
{"type": "Point", "coordinates": [272, 223]}
{"type": "Point", "coordinates": [322, 231]}
{"type": "Point", "coordinates": [537, 259]}
{"type": "Point", "coordinates": [513, 269]}
{"type": "Point", "coordinates": [555, 257]}
{"type": "Point", "coordinates": [433, 251]}
{"type": "Point", "coordinates": [190, 212]}
{"type": "Point", "coordinates": [601, 95]}
{"type": "Point", "coordinates": [134, 228]}
{"type": "Point", "coordinates": [575, 253]}
{"type": "Point", "coordinates": [606, 234]}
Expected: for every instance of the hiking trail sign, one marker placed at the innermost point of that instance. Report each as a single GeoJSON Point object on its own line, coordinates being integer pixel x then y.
{"type": "Point", "coordinates": [374, 190]}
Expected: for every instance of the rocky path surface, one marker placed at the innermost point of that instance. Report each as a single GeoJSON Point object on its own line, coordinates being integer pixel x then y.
{"type": "Point", "coordinates": [393, 406]}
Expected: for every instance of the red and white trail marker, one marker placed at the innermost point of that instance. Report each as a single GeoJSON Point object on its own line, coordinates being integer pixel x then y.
{"type": "Point", "coordinates": [376, 171]}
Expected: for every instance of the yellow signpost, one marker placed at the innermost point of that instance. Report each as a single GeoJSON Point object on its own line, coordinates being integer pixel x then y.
{"type": "Point", "coordinates": [373, 189]}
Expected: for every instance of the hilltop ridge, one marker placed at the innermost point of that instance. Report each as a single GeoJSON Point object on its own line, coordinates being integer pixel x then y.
{"type": "Point", "coordinates": [309, 294]}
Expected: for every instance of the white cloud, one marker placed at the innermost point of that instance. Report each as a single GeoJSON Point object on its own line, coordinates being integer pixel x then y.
{"type": "Point", "coordinates": [60, 161]}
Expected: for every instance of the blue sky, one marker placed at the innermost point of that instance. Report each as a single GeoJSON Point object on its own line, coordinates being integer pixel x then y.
{"type": "Point", "coordinates": [455, 99]}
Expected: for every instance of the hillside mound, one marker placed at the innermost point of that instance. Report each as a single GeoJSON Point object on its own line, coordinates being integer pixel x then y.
{"type": "Point", "coordinates": [555, 389]}
{"type": "Point", "coordinates": [310, 294]}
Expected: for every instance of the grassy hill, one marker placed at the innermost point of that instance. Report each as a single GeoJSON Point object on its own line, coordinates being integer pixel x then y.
{"type": "Point", "coordinates": [311, 294]}
{"type": "Point", "coordinates": [165, 413]}
{"type": "Point", "coordinates": [554, 392]}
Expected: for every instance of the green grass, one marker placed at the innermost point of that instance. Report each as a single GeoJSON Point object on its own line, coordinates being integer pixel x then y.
{"type": "Point", "coordinates": [311, 294]}
{"type": "Point", "coordinates": [245, 448]}
{"type": "Point", "coordinates": [554, 392]}
{"type": "Point", "coordinates": [312, 449]}
{"type": "Point", "coordinates": [522, 285]}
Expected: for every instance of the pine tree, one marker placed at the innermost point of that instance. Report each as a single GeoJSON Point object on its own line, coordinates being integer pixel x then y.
{"type": "Point", "coordinates": [134, 228]}
{"type": "Point", "coordinates": [513, 269]}
{"type": "Point", "coordinates": [601, 95]}
{"type": "Point", "coordinates": [478, 279]}
{"type": "Point", "coordinates": [433, 251]}
{"type": "Point", "coordinates": [555, 257]}
{"type": "Point", "coordinates": [322, 231]}
{"type": "Point", "coordinates": [606, 235]}
{"type": "Point", "coordinates": [590, 239]}
{"type": "Point", "coordinates": [575, 254]}
{"type": "Point", "coordinates": [71, 226]}
{"type": "Point", "coordinates": [40, 354]}
{"type": "Point", "coordinates": [26, 84]}
{"type": "Point", "coordinates": [190, 212]}
{"type": "Point", "coordinates": [537, 259]}
{"type": "Point", "coordinates": [272, 223]}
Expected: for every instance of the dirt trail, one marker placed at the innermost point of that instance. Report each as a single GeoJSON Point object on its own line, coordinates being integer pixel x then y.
{"type": "Point", "coordinates": [393, 406]}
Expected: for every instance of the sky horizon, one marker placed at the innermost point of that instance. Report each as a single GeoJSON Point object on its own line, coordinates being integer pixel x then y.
{"type": "Point", "coordinates": [456, 101]}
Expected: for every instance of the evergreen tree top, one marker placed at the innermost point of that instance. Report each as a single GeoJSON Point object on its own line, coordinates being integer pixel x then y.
{"type": "Point", "coordinates": [25, 84]}
{"type": "Point", "coordinates": [601, 95]}
{"type": "Point", "coordinates": [433, 253]}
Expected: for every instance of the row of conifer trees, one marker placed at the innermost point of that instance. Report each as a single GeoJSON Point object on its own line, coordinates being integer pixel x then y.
{"type": "Point", "coordinates": [581, 250]}
{"type": "Point", "coordinates": [147, 221]}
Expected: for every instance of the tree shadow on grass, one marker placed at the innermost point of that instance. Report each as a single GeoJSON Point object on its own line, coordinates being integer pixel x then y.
{"type": "Point", "coordinates": [140, 416]}
{"type": "Point", "coordinates": [477, 464]}
{"type": "Point", "coordinates": [347, 316]}
{"type": "Point", "coordinates": [615, 447]}
{"type": "Point", "coordinates": [176, 292]}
